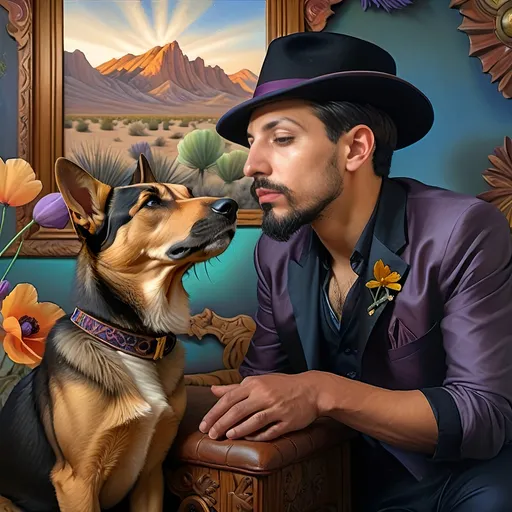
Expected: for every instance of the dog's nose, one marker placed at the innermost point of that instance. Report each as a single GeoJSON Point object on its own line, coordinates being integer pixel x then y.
{"type": "Point", "coordinates": [226, 207]}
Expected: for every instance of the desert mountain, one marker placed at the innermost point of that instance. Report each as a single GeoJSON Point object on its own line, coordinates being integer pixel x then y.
{"type": "Point", "coordinates": [161, 81]}
{"type": "Point", "coordinates": [246, 79]}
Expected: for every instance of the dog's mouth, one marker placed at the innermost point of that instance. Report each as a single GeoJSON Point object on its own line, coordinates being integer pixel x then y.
{"type": "Point", "coordinates": [211, 245]}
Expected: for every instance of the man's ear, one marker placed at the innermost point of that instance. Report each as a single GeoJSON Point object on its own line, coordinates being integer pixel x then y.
{"type": "Point", "coordinates": [143, 173]}
{"type": "Point", "coordinates": [84, 195]}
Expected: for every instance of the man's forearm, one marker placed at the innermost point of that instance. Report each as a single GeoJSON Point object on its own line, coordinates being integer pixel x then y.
{"type": "Point", "coordinates": [400, 418]}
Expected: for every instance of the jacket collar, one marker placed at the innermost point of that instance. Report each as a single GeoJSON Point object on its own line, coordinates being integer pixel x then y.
{"type": "Point", "coordinates": [383, 239]}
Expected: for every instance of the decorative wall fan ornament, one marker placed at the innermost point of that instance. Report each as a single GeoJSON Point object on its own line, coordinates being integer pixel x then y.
{"type": "Point", "coordinates": [387, 5]}
{"type": "Point", "coordinates": [499, 177]}
{"type": "Point", "coordinates": [488, 24]}
{"type": "Point", "coordinates": [316, 13]}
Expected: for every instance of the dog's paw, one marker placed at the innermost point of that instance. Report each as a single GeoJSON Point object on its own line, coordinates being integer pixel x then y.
{"type": "Point", "coordinates": [8, 506]}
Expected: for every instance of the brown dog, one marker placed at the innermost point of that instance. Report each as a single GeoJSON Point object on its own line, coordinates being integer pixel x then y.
{"type": "Point", "coordinates": [94, 422]}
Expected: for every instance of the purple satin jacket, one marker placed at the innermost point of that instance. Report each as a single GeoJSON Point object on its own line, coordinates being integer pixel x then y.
{"type": "Point", "coordinates": [448, 332]}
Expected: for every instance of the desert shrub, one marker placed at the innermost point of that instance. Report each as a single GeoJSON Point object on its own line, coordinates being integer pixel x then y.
{"type": "Point", "coordinates": [160, 142]}
{"type": "Point", "coordinates": [165, 125]}
{"type": "Point", "coordinates": [68, 123]}
{"type": "Point", "coordinates": [94, 120]}
{"type": "Point", "coordinates": [117, 139]}
{"type": "Point", "coordinates": [107, 124]}
{"type": "Point", "coordinates": [153, 124]}
{"type": "Point", "coordinates": [137, 129]}
{"type": "Point", "coordinates": [82, 126]}
{"type": "Point", "coordinates": [102, 162]}
{"type": "Point", "coordinates": [184, 124]}
{"type": "Point", "coordinates": [139, 148]}
{"type": "Point", "coordinates": [177, 135]}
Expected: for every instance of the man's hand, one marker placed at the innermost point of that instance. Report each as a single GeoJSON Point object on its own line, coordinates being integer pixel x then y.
{"type": "Point", "coordinates": [270, 405]}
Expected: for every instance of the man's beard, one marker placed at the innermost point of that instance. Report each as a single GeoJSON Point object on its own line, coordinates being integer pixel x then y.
{"type": "Point", "coordinates": [281, 229]}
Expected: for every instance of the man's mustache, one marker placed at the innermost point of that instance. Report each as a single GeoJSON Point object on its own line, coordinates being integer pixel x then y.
{"type": "Point", "coordinates": [267, 184]}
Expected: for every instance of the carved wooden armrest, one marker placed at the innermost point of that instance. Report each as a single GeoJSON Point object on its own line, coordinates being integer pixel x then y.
{"type": "Point", "coordinates": [234, 334]}
{"type": "Point", "coordinates": [310, 465]}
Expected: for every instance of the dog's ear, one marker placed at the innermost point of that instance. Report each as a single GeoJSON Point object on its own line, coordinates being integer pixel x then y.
{"type": "Point", "coordinates": [143, 173]}
{"type": "Point", "coordinates": [84, 195]}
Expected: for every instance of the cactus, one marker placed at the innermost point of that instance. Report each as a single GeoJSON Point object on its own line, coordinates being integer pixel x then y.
{"type": "Point", "coordinates": [200, 149]}
{"type": "Point", "coordinates": [230, 166]}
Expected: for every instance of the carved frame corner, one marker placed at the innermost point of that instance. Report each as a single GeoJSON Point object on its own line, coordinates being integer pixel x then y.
{"type": "Point", "coordinates": [39, 35]}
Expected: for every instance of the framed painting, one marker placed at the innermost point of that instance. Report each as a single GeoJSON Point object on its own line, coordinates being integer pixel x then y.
{"type": "Point", "coordinates": [101, 81]}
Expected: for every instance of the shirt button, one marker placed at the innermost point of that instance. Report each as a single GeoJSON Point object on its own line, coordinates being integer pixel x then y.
{"type": "Point", "coordinates": [351, 375]}
{"type": "Point", "coordinates": [348, 351]}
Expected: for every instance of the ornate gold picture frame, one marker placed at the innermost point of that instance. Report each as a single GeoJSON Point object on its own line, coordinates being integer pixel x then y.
{"type": "Point", "coordinates": [38, 30]}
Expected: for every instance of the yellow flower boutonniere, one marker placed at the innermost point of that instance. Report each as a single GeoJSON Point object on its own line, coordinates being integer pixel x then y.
{"type": "Point", "coordinates": [385, 280]}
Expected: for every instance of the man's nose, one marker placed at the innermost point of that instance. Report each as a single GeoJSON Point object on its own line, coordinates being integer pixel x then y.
{"type": "Point", "coordinates": [256, 163]}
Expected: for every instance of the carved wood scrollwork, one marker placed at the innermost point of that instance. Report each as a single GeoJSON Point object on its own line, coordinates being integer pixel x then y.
{"type": "Point", "coordinates": [241, 499]}
{"type": "Point", "coordinates": [20, 28]}
{"type": "Point", "coordinates": [234, 333]}
{"type": "Point", "coordinates": [303, 484]}
{"type": "Point", "coordinates": [196, 493]}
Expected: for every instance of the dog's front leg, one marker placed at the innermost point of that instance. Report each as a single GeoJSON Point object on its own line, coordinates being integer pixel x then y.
{"type": "Point", "coordinates": [8, 506]}
{"type": "Point", "coordinates": [148, 493]}
{"type": "Point", "coordinates": [74, 493]}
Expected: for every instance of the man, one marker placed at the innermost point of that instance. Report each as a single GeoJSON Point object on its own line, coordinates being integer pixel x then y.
{"type": "Point", "coordinates": [383, 303]}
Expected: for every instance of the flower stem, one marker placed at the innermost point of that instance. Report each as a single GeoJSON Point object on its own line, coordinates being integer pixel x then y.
{"type": "Point", "coordinates": [4, 210]}
{"type": "Point", "coordinates": [3, 359]}
{"type": "Point", "coordinates": [28, 226]}
{"type": "Point", "coordinates": [12, 261]}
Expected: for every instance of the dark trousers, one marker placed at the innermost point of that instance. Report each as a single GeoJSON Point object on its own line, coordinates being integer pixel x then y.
{"type": "Point", "coordinates": [382, 484]}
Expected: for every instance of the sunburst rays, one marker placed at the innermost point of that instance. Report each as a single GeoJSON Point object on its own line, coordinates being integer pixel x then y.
{"type": "Point", "coordinates": [488, 24]}
{"type": "Point", "coordinates": [134, 30]}
{"type": "Point", "coordinates": [499, 177]}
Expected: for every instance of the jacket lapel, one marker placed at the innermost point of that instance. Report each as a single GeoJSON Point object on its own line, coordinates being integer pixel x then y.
{"type": "Point", "coordinates": [389, 238]}
{"type": "Point", "coordinates": [301, 338]}
{"type": "Point", "coordinates": [304, 281]}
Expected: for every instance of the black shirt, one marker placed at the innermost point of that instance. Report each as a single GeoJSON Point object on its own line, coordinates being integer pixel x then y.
{"type": "Point", "coordinates": [339, 345]}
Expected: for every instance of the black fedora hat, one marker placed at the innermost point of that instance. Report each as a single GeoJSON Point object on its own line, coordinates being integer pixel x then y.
{"type": "Point", "coordinates": [326, 66]}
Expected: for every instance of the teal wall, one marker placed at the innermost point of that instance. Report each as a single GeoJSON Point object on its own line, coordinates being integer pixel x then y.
{"type": "Point", "coordinates": [472, 118]}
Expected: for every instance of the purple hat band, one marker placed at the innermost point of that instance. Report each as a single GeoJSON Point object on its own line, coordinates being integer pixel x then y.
{"type": "Point", "coordinates": [276, 85]}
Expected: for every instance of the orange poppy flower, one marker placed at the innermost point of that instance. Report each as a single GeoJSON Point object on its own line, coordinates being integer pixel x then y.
{"type": "Point", "coordinates": [384, 277]}
{"type": "Point", "coordinates": [26, 324]}
{"type": "Point", "coordinates": [18, 184]}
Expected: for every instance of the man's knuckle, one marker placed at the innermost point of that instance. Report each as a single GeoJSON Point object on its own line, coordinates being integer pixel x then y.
{"type": "Point", "coordinates": [261, 416]}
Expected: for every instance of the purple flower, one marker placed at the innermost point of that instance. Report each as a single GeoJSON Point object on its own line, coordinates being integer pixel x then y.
{"type": "Point", "coordinates": [51, 211]}
{"type": "Point", "coordinates": [5, 288]}
{"type": "Point", "coordinates": [387, 5]}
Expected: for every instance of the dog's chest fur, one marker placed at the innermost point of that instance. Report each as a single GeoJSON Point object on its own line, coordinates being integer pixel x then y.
{"type": "Point", "coordinates": [118, 372]}
{"type": "Point", "coordinates": [155, 384]}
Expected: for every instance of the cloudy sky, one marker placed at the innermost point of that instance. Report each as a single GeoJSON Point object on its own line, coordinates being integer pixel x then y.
{"type": "Point", "coordinates": [228, 33]}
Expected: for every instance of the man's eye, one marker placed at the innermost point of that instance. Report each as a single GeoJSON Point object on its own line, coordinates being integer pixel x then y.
{"type": "Point", "coordinates": [283, 140]}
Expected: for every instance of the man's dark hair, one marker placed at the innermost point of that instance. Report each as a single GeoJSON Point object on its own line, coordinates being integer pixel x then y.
{"type": "Point", "coordinates": [339, 117]}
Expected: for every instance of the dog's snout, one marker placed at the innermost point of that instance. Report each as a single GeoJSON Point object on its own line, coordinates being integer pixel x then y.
{"type": "Point", "coordinates": [226, 207]}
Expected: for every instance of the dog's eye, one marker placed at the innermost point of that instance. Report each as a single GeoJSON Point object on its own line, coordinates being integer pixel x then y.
{"type": "Point", "coordinates": [152, 202]}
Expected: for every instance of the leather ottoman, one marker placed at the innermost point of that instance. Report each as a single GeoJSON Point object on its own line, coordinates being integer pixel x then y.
{"type": "Point", "coordinates": [304, 471]}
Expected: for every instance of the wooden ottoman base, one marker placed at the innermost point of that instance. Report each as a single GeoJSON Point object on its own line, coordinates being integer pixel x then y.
{"type": "Point", "coordinates": [305, 471]}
